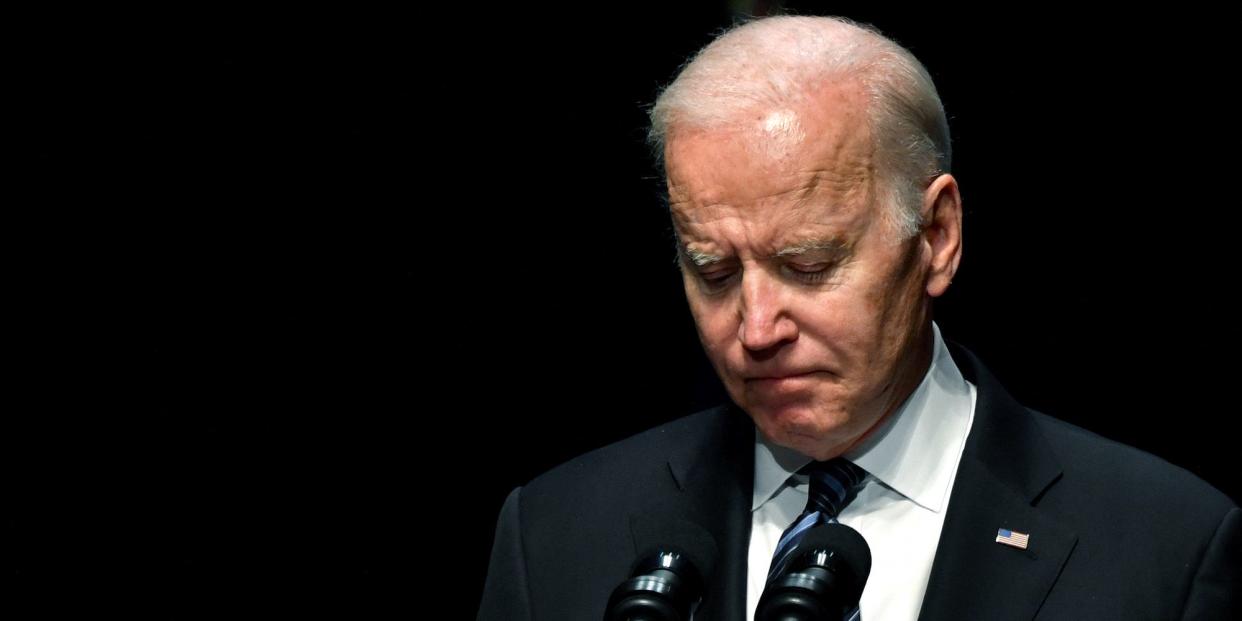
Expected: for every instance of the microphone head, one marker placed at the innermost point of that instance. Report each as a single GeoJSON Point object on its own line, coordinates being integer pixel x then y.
{"type": "Point", "coordinates": [846, 547]}
{"type": "Point", "coordinates": [653, 535]}
{"type": "Point", "coordinates": [823, 580]}
{"type": "Point", "coordinates": [678, 557]}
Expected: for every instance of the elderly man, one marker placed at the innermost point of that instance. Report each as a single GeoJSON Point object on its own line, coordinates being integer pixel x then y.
{"type": "Point", "coordinates": [807, 162]}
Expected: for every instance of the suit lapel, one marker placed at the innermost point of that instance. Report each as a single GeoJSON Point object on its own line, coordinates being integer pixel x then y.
{"type": "Point", "coordinates": [1005, 468]}
{"type": "Point", "coordinates": [714, 475]}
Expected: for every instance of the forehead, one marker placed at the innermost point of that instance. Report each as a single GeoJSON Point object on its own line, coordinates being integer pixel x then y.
{"type": "Point", "coordinates": [779, 175]}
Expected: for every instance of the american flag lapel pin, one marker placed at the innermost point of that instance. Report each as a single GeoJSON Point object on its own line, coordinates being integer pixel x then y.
{"type": "Point", "coordinates": [1013, 538]}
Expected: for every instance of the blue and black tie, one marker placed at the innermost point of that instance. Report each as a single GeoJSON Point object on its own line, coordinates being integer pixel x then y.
{"type": "Point", "coordinates": [833, 485]}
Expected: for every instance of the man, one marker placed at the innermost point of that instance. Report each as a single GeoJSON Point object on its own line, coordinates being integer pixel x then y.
{"type": "Point", "coordinates": [807, 168]}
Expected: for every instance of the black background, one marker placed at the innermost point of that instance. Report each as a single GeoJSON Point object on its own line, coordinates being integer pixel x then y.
{"type": "Point", "coordinates": [300, 297]}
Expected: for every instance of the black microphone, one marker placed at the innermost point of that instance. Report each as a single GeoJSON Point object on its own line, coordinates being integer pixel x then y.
{"type": "Point", "coordinates": [669, 577]}
{"type": "Point", "coordinates": [823, 580]}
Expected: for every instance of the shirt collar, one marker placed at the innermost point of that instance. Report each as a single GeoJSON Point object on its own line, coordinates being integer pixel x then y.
{"type": "Point", "coordinates": [914, 452]}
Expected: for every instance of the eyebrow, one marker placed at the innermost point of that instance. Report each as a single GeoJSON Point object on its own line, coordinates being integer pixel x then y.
{"type": "Point", "coordinates": [833, 246]}
{"type": "Point", "coordinates": [698, 257]}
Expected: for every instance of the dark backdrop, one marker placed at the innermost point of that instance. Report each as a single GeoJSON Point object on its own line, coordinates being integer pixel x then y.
{"type": "Point", "coordinates": [303, 297]}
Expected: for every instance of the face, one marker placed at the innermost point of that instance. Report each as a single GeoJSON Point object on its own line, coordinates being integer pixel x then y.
{"type": "Point", "coordinates": [814, 314]}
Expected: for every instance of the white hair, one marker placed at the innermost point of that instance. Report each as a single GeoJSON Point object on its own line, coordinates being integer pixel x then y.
{"type": "Point", "coordinates": [774, 63]}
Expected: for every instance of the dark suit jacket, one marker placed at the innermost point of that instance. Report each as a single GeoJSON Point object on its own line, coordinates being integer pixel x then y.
{"type": "Point", "coordinates": [1114, 533]}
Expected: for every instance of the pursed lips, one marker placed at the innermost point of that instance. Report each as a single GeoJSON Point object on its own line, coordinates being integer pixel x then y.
{"type": "Point", "coordinates": [778, 376]}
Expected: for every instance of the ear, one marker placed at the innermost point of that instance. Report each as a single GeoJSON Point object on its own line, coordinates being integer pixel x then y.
{"type": "Point", "coordinates": [942, 232]}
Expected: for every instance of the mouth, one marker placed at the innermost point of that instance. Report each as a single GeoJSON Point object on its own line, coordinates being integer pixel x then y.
{"type": "Point", "coordinates": [779, 382]}
{"type": "Point", "coordinates": [778, 376]}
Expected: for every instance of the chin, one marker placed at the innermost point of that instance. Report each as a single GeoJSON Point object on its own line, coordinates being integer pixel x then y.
{"type": "Point", "coordinates": [800, 429]}
{"type": "Point", "coordinates": [812, 447]}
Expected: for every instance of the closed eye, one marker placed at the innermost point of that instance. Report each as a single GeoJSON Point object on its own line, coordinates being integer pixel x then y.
{"type": "Point", "coordinates": [716, 280]}
{"type": "Point", "coordinates": [809, 272]}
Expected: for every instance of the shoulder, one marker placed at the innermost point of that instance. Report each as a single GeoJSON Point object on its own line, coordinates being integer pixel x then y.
{"type": "Point", "coordinates": [1144, 527]}
{"type": "Point", "coordinates": [1094, 470]}
{"type": "Point", "coordinates": [1101, 488]}
{"type": "Point", "coordinates": [1113, 473]}
{"type": "Point", "coordinates": [635, 461]}
{"type": "Point", "coordinates": [578, 514]}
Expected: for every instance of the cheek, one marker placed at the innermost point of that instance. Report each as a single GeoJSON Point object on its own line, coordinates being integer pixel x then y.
{"type": "Point", "coordinates": [897, 318]}
{"type": "Point", "coordinates": [714, 324]}
{"type": "Point", "coordinates": [839, 320]}
{"type": "Point", "coordinates": [718, 334]}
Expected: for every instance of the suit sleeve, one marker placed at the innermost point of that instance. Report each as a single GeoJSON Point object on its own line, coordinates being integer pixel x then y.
{"type": "Point", "coordinates": [505, 594]}
{"type": "Point", "coordinates": [1217, 587]}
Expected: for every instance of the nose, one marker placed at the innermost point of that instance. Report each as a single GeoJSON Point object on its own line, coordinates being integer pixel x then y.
{"type": "Point", "coordinates": [765, 321]}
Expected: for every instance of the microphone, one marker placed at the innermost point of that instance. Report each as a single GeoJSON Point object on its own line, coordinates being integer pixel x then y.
{"type": "Point", "coordinates": [824, 580]}
{"type": "Point", "coordinates": [669, 577]}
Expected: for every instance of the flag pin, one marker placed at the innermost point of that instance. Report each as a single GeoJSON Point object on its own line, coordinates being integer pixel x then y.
{"type": "Point", "coordinates": [1013, 538]}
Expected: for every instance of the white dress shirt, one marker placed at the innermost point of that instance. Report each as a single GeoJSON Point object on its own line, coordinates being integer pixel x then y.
{"type": "Point", "coordinates": [911, 463]}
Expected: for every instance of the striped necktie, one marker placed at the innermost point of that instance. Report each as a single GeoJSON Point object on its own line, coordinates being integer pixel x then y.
{"type": "Point", "coordinates": [833, 485]}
